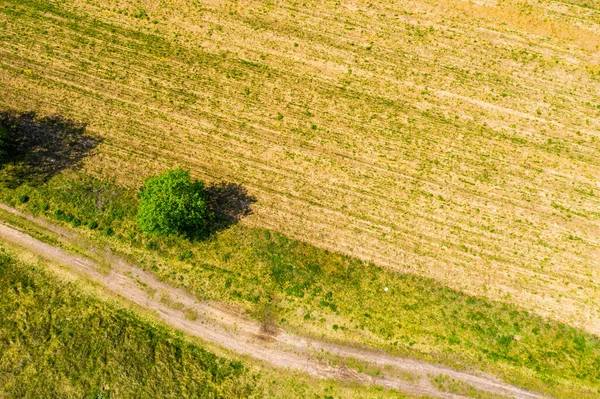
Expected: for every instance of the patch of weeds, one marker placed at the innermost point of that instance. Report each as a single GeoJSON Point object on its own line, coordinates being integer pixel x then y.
{"type": "Point", "coordinates": [447, 384]}
{"type": "Point", "coordinates": [185, 255]}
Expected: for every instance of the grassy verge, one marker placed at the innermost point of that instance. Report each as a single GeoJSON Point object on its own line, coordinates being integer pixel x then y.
{"type": "Point", "coordinates": [57, 340]}
{"type": "Point", "coordinates": [327, 294]}
{"type": "Point", "coordinates": [447, 384]}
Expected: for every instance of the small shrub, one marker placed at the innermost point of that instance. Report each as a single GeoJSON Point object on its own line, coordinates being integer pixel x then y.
{"type": "Point", "coordinates": [93, 225]}
{"type": "Point", "coordinates": [185, 255]}
{"type": "Point", "coordinates": [23, 199]}
{"type": "Point", "coordinates": [109, 232]}
{"type": "Point", "coordinates": [63, 216]}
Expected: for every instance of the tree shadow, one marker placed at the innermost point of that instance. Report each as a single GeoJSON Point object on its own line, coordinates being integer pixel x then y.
{"type": "Point", "coordinates": [41, 147]}
{"type": "Point", "coordinates": [229, 202]}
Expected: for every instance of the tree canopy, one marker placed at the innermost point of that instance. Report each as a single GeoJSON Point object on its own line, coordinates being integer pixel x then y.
{"type": "Point", "coordinates": [174, 203]}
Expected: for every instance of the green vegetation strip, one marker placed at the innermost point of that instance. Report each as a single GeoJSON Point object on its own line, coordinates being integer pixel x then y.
{"type": "Point", "coordinates": [313, 291]}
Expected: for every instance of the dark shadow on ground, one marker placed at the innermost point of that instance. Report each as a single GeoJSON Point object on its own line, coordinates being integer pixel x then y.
{"type": "Point", "coordinates": [41, 147]}
{"type": "Point", "coordinates": [229, 203]}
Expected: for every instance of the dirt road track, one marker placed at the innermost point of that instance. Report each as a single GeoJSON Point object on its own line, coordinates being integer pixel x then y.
{"type": "Point", "coordinates": [215, 324]}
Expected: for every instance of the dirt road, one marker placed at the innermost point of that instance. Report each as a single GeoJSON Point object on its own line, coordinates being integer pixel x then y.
{"type": "Point", "coordinates": [214, 323]}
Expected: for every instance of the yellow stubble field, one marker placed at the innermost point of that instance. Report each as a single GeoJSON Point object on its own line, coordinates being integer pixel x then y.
{"type": "Point", "coordinates": [452, 139]}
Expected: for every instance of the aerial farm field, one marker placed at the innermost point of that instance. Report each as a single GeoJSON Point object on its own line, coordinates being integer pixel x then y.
{"type": "Point", "coordinates": [447, 151]}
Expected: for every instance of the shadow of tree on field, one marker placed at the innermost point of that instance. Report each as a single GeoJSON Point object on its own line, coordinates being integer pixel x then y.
{"type": "Point", "coordinates": [41, 147]}
{"type": "Point", "coordinates": [229, 202]}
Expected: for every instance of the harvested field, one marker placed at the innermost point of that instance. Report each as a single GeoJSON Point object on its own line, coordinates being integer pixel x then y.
{"type": "Point", "coordinates": [451, 139]}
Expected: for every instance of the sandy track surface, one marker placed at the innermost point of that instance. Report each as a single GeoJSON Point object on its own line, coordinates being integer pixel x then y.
{"type": "Point", "coordinates": [219, 325]}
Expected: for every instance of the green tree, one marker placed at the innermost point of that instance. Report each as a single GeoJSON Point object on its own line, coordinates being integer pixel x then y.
{"type": "Point", "coordinates": [173, 203]}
